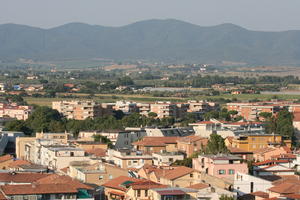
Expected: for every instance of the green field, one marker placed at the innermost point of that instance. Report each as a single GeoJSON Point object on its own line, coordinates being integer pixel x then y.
{"type": "Point", "coordinates": [148, 98]}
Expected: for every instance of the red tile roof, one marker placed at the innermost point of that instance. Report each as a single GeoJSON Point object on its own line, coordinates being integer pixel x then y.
{"type": "Point", "coordinates": [193, 138]}
{"type": "Point", "coordinates": [10, 190]}
{"type": "Point", "coordinates": [260, 194]}
{"type": "Point", "coordinates": [97, 152]}
{"type": "Point", "coordinates": [21, 177]}
{"type": "Point", "coordinates": [178, 172]}
{"type": "Point", "coordinates": [146, 184]}
{"type": "Point", "coordinates": [171, 192]}
{"type": "Point", "coordinates": [116, 183]}
{"type": "Point", "coordinates": [58, 179]}
{"type": "Point", "coordinates": [198, 186]}
{"type": "Point", "coordinates": [18, 163]}
{"type": "Point", "coordinates": [5, 158]}
{"type": "Point", "coordinates": [270, 162]}
{"type": "Point", "coordinates": [286, 188]}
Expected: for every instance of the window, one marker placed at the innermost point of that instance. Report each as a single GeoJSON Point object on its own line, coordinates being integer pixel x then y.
{"type": "Point", "coordinates": [139, 193]}
{"type": "Point", "coordinates": [72, 154]}
{"type": "Point", "coordinates": [191, 175]}
{"type": "Point", "coordinates": [110, 176]}
{"type": "Point", "coordinates": [146, 193]}
{"type": "Point", "coordinates": [222, 171]}
{"type": "Point", "coordinates": [100, 177]}
{"type": "Point", "coordinates": [231, 171]}
{"type": "Point", "coordinates": [171, 160]}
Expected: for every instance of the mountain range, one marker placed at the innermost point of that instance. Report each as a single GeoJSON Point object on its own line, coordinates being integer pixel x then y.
{"type": "Point", "coordinates": [156, 40]}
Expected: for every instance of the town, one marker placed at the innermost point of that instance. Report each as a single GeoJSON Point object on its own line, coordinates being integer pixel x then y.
{"type": "Point", "coordinates": [82, 149]}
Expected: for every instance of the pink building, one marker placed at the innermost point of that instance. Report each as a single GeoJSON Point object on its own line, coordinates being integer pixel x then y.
{"type": "Point", "coordinates": [221, 166]}
{"type": "Point", "coordinates": [15, 111]}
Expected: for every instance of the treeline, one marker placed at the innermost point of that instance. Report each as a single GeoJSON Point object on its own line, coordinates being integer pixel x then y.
{"type": "Point", "coordinates": [49, 120]}
{"type": "Point", "coordinates": [208, 81]}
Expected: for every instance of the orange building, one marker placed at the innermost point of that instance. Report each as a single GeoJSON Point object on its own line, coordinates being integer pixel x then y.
{"type": "Point", "coordinates": [191, 144]}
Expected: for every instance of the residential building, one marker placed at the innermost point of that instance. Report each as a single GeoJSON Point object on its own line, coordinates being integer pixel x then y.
{"type": "Point", "coordinates": [166, 158]}
{"type": "Point", "coordinates": [15, 111]}
{"type": "Point", "coordinates": [191, 144]}
{"type": "Point", "coordinates": [117, 187]}
{"type": "Point", "coordinates": [127, 107]}
{"type": "Point", "coordinates": [173, 193]}
{"type": "Point", "coordinates": [220, 166]}
{"type": "Point", "coordinates": [169, 132]}
{"type": "Point", "coordinates": [128, 158]}
{"type": "Point", "coordinates": [269, 152]}
{"type": "Point", "coordinates": [180, 177]}
{"type": "Point", "coordinates": [253, 142]}
{"type": "Point", "coordinates": [245, 183]}
{"type": "Point", "coordinates": [164, 109]}
{"type": "Point", "coordinates": [79, 110]}
{"type": "Point", "coordinates": [144, 108]}
{"type": "Point", "coordinates": [201, 106]}
{"type": "Point", "coordinates": [140, 189]}
{"type": "Point", "coordinates": [2, 87]}
{"type": "Point", "coordinates": [96, 172]}
{"type": "Point", "coordinates": [206, 191]}
{"type": "Point", "coordinates": [149, 145]}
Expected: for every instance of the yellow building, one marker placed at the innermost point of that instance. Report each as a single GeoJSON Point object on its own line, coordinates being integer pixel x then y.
{"type": "Point", "coordinates": [259, 141]}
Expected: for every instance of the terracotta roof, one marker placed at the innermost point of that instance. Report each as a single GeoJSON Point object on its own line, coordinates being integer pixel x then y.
{"type": "Point", "coordinates": [286, 188]}
{"type": "Point", "coordinates": [193, 138]}
{"type": "Point", "coordinates": [97, 152]}
{"type": "Point", "coordinates": [178, 172]}
{"type": "Point", "coordinates": [156, 141]}
{"type": "Point", "coordinates": [116, 183]}
{"type": "Point", "coordinates": [199, 186]}
{"type": "Point", "coordinates": [2, 197]}
{"type": "Point", "coordinates": [146, 184]}
{"type": "Point", "coordinates": [285, 156]}
{"type": "Point", "coordinates": [58, 179]}
{"type": "Point", "coordinates": [260, 194]}
{"type": "Point", "coordinates": [264, 150]}
{"type": "Point", "coordinates": [10, 190]}
{"type": "Point", "coordinates": [296, 117]}
{"type": "Point", "coordinates": [65, 170]}
{"type": "Point", "coordinates": [6, 158]}
{"type": "Point", "coordinates": [21, 177]}
{"type": "Point", "coordinates": [270, 162]}
{"type": "Point", "coordinates": [171, 192]}
{"type": "Point", "coordinates": [18, 163]}
{"type": "Point", "coordinates": [238, 150]}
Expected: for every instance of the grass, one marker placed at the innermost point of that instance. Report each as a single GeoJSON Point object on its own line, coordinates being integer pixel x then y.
{"type": "Point", "coordinates": [147, 98]}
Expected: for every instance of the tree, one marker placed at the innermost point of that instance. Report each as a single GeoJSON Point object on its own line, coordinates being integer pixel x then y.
{"type": "Point", "coordinates": [225, 197]}
{"type": "Point", "coordinates": [284, 123]}
{"type": "Point", "coordinates": [152, 114]}
{"type": "Point", "coordinates": [215, 145]}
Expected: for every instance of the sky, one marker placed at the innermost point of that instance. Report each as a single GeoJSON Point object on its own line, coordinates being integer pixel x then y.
{"type": "Point", "coordinates": [264, 15]}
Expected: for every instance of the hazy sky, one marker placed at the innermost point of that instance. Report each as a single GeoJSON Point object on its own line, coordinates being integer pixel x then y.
{"type": "Point", "coordinates": [252, 14]}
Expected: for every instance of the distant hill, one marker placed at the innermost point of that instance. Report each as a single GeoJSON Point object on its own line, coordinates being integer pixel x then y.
{"type": "Point", "coordinates": [160, 40]}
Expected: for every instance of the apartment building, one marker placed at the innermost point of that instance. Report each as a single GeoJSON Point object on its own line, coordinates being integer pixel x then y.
{"type": "Point", "coordinates": [15, 111]}
{"type": "Point", "coordinates": [128, 159]}
{"type": "Point", "coordinates": [96, 172]}
{"type": "Point", "coordinates": [220, 166]}
{"type": "Point", "coordinates": [164, 109]}
{"type": "Point", "coordinates": [144, 108]}
{"type": "Point", "coordinates": [79, 110]}
{"type": "Point", "coordinates": [128, 107]}
{"type": "Point", "coordinates": [253, 142]}
{"type": "Point", "coordinates": [201, 106]}
{"type": "Point", "coordinates": [166, 158]}
{"type": "Point", "coordinates": [191, 144]}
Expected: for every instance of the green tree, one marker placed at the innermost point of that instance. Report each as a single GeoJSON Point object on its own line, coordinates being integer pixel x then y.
{"type": "Point", "coordinates": [225, 197]}
{"type": "Point", "coordinates": [284, 123]}
{"type": "Point", "coordinates": [215, 145]}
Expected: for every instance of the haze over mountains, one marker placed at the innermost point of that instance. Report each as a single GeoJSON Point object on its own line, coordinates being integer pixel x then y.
{"type": "Point", "coordinates": [157, 40]}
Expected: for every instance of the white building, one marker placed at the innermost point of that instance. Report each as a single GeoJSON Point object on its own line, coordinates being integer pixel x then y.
{"type": "Point", "coordinates": [246, 183]}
